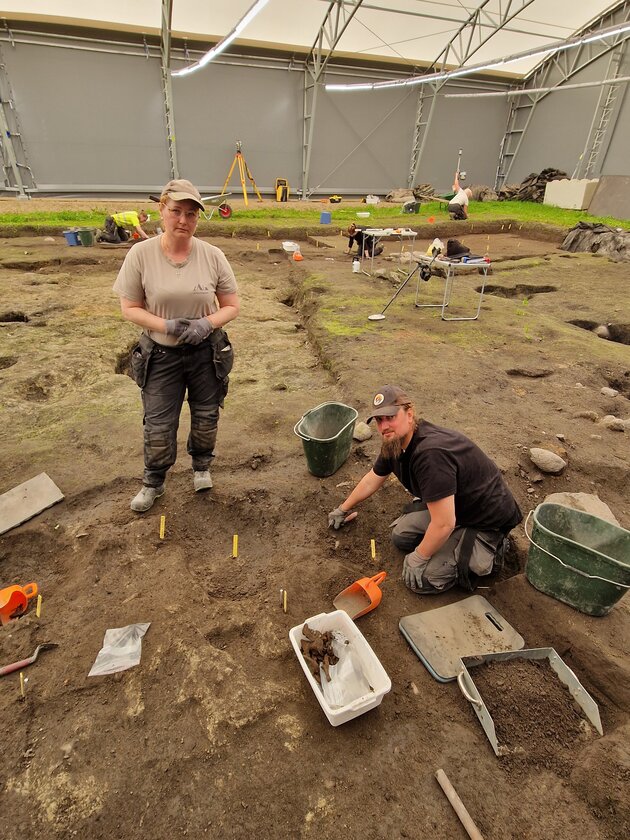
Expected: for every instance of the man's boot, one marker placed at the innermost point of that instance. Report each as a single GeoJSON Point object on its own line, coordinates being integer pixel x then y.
{"type": "Point", "coordinates": [145, 498]}
{"type": "Point", "coordinates": [202, 480]}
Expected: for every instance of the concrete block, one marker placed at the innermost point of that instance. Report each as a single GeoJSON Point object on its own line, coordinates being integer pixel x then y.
{"type": "Point", "coordinates": [574, 194]}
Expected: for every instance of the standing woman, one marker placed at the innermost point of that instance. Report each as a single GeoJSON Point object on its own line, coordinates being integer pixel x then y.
{"type": "Point", "coordinates": [181, 291]}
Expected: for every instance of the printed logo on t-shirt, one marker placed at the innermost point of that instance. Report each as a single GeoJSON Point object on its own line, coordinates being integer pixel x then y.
{"type": "Point", "coordinates": [378, 399]}
{"type": "Point", "coordinates": [200, 289]}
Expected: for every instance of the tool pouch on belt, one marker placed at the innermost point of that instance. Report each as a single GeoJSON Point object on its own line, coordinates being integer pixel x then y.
{"type": "Point", "coordinates": [222, 357]}
{"type": "Point", "coordinates": [475, 555]}
{"type": "Point", "coordinates": [140, 359]}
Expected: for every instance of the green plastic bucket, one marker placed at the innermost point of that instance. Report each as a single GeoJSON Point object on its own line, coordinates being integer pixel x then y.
{"type": "Point", "coordinates": [326, 433]}
{"type": "Point", "coordinates": [86, 236]}
{"type": "Point", "coordinates": [578, 558]}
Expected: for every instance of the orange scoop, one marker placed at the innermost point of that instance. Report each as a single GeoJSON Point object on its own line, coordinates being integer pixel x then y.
{"type": "Point", "coordinates": [14, 600]}
{"type": "Point", "coordinates": [361, 596]}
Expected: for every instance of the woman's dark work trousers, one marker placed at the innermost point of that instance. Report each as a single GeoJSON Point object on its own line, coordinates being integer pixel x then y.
{"type": "Point", "coordinates": [172, 373]}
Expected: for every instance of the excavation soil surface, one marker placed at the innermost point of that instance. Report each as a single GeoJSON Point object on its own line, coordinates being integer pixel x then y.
{"type": "Point", "coordinates": [217, 732]}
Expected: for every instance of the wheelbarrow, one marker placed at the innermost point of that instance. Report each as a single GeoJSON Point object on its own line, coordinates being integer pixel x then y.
{"type": "Point", "coordinates": [361, 596]}
{"type": "Point", "coordinates": [218, 203]}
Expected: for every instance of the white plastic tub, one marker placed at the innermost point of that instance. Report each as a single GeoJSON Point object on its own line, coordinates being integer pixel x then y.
{"type": "Point", "coordinates": [372, 668]}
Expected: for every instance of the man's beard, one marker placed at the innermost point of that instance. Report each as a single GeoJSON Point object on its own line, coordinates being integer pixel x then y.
{"type": "Point", "coordinates": [391, 447]}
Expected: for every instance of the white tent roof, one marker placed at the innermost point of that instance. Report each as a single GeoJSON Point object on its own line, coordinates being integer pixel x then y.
{"type": "Point", "coordinates": [412, 31]}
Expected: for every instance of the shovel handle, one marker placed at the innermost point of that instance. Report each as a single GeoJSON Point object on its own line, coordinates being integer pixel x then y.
{"type": "Point", "coordinates": [379, 578]}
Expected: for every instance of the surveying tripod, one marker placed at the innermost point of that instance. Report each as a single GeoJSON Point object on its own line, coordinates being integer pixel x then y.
{"type": "Point", "coordinates": [243, 169]}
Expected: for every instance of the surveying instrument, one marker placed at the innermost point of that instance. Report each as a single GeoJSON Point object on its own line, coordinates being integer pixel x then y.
{"type": "Point", "coordinates": [243, 169]}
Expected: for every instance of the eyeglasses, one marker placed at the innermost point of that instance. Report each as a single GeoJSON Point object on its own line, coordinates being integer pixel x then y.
{"type": "Point", "coordinates": [189, 215]}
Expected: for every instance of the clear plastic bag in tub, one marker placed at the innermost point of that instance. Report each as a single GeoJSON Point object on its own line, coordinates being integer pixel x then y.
{"type": "Point", "coordinates": [364, 659]}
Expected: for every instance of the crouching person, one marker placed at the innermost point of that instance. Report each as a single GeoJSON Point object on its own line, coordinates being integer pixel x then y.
{"type": "Point", "coordinates": [455, 529]}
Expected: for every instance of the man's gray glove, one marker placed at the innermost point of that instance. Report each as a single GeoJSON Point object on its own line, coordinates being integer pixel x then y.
{"type": "Point", "coordinates": [413, 566]}
{"type": "Point", "coordinates": [198, 330]}
{"type": "Point", "coordinates": [339, 517]}
{"type": "Point", "coordinates": [176, 326]}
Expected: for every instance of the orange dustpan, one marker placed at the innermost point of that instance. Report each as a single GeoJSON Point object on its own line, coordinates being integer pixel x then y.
{"type": "Point", "coordinates": [361, 596]}
{"type": "Point", "coordinates": [14, 600]}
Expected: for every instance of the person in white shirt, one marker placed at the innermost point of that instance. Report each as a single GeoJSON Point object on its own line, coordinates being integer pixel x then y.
{"type": "Point", "coordinates": [458, 205]}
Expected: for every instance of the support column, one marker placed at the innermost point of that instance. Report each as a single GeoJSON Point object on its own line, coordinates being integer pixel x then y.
{"type": "Point", "coordinates": [18, 176]}
{"type": "Point", "coordinates": [338, 16]}
{"type": "Point", "coordinates": [167, 91]}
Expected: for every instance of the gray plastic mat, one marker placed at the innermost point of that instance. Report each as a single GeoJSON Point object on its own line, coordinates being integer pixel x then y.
{"type": "Point", "coordinates": [470, 627]}
{"type": "Point", "coordinates": [27, 500]}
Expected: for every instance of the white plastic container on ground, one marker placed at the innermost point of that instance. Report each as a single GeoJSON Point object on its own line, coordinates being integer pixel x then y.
{"type": "Point", "coordinates": [290, 247]}
{"type": "Point", "coordinates": [376, 676]}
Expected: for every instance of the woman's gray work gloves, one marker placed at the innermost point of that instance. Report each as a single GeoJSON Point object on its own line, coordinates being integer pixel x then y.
{"type": "Point", "coordinates": [189, 331]}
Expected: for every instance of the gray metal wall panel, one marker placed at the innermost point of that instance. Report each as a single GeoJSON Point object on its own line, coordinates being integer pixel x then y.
{"type": "Point", "coordinates": [559, 128]}
{"type": "Point", "coordinates": [92, 118]}
{"type": "Point", "coordinates": [382, 161]}
{"type": "Point", "coordinates": [89, 117]}
{"type": "Point", "coordinates": [221, 104]}
{"type": "Point", "coordinates": [474, 125]}
{"type": "Point", "coordinates": [362, 141]}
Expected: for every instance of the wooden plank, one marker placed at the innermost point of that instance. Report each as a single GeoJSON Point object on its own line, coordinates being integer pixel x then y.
{"type": "Point", "coordinates": [27, 500]}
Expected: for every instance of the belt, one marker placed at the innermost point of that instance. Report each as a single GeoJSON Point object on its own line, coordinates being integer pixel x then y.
{"type": "Point", "coordinates": [180, 349]}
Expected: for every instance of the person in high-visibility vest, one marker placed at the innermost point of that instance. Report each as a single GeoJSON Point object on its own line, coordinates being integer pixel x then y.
{"type": "Point", "coordinates": [116, 226]}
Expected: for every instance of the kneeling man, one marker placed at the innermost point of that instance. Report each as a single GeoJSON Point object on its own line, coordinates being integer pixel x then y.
{"type": "Point", "coordinates": [455, 529]}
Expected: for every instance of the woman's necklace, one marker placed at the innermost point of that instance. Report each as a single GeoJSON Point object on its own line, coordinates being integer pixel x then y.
{"type": "Point", "coordinates": [177, 260]}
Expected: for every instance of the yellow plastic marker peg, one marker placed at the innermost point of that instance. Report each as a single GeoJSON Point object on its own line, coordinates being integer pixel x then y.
{"type": "Point", "coordinates": [38, 608]}
{"type": "Point", "coordinates": [162, 526]}
{"type": "Point", "coordinates": [268, 235]}
{"type": "Point", "coordinates": [373, 548]}
{"type": "Point", "coordinates": [235, 545]}
{"type": "Point", "coordinates": [281, 597]}
{"type": "Point", "coordinates": [22, 692]}
{"type": "Point", "coordinates": [284, 600]}
{"type": "Point", "coordinates": [258, 246]}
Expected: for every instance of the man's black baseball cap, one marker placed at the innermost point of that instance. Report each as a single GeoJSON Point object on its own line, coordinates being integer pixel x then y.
{"type": "Point", "coordinates": [387, 401]}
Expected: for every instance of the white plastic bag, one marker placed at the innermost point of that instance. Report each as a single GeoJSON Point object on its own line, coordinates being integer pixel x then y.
{"type": "Point", "coordinates": [122, 647]}
{"type": "Point", "coordinates": [347, 678]}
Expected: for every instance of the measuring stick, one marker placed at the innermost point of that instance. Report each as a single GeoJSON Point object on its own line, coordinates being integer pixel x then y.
{"type": "Point", "coordinates": [458, 806]}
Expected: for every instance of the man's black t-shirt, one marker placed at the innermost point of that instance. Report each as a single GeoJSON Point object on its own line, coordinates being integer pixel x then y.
{"type": "Point", "coordinates": [442, 462]}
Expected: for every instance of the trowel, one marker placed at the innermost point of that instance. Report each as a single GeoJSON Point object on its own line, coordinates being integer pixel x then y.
{"type": "Point", "coordinates": [361, 596]}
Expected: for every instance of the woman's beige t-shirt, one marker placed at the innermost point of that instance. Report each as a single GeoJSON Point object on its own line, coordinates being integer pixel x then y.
{"type": "Point", "coordinates": [170, 290]}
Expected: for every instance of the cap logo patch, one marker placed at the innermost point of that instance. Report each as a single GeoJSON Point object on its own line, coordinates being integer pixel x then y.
{"type": "Point", "coordinates": [378, 399]}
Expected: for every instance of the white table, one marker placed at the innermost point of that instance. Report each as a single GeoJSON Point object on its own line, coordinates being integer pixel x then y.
{"type": "Point", "coordinates": [452, 269]}
{"type": "Point", "coordinates": [405, 235]}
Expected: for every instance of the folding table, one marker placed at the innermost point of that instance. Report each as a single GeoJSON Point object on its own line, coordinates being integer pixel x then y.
{"type": "Point", "coordinates": [452, 269]}
{"type": "Point", "coordinates": [405, 235]}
